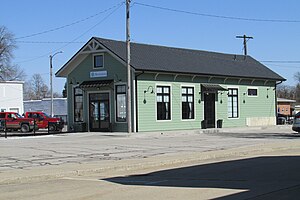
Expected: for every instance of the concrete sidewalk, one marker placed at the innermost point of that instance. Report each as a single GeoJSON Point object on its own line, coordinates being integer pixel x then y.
{"type": "Point", "coordinates": [29, 159]}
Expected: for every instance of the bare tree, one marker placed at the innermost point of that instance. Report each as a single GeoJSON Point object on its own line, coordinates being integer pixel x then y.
{"type": "Point", "coordinates": [8, 71]}
{"type": "Point", "coordinates": [286, 91]}
{"type": "Point", "coordinates": [297, 88]}
{"type": "Point", "coordinates": [35, 88]}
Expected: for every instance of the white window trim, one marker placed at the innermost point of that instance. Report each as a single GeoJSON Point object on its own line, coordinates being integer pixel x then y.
{"type": "Point", "coordinates": [115, 102]}
{"type": "Point", "coordinates": [171, 102]}
{"type": "Point", "coordinates": [98, 54]}
{"type": "Point", "coordinates": [251, 96]}
{"type": "Point", "coordinates": [195, 112]}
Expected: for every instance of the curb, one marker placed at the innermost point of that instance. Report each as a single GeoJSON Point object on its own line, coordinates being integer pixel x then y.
{"type": "Point", "coordinates": [133, 165]}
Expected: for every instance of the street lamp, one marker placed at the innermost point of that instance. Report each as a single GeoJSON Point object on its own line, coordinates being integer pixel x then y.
{"type": "Point", "coordinates": [51, 85]}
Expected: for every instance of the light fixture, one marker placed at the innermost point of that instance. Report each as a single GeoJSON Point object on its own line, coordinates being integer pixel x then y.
{"type": "Point", "coordinates": [199, 101]}
{"type": "Point", "coordinates": [149, 89]}
{"type": "Point", "coordinates": [244, 94]}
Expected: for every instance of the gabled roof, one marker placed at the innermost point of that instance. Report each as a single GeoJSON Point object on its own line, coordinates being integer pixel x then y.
{"type": "Point", "coordinates": [156, 58]}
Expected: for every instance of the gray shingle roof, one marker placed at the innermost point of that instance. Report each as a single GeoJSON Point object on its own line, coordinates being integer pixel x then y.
{"type": "Point", "coordinates": [169, 59]}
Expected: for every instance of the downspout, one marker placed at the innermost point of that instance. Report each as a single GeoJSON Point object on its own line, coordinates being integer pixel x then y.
{"type": "Point", "coordinates": [276, 100]}
{"type": "Point", "coordinates": [136, 102]}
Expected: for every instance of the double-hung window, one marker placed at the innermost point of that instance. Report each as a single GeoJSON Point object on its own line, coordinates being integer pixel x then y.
{"type": "Point", "coordinates": [233, 103]}
{"type": "Point", "coordinates": [121, 103]}
{"type": "Point", "coordinates": [78, 105]}
{"type": "Point", "coordinates": [163, 102]}
{"type": "Point", "coordinates": [187, 102]}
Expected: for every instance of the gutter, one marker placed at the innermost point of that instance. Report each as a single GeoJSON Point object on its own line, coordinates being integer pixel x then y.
{"type": "Point", "coordinates": [136, 101]}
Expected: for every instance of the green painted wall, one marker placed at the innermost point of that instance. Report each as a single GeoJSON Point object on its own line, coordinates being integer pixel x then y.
{"type": "Point", "coordinates": [115, 71]}
{"type": "Point", "coordinates": [262, 105]}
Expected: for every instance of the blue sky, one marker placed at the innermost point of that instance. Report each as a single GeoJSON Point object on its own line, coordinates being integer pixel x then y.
{"type": "Point", "coordinates": [273, 41]}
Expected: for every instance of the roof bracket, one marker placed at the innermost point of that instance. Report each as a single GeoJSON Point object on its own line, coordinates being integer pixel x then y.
{"type": "Point", "coordinates": [194, 77]}
{"type": "Point", "coordinates": [252, 81]}
{"type": "Point", "coordinates": [211, 77]}
{"type": "Point", "coordinates": [225, 80]}
{"type": "Point", "coordinates": [240, 80]}
{"type": "Point", "coordinates": [266, 81]}
{"type": "Point", "coordinates": [175, 77]}
{"type": "Point", "coordinates": [156, 75]}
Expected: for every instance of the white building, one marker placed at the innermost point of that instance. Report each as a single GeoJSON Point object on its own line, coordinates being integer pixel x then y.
{"type": "Point", "coordinates": [11, 96]}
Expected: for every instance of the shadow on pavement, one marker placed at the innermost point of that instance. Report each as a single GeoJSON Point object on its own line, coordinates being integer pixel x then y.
{"type": "Point", "coordinates": [259, 135]}
{"type": "Point", "coordinates": [275, 177]}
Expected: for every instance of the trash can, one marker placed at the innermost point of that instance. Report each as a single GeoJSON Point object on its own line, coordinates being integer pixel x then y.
{"type": "Point", "coordinates": [203, 124]}
{"type": "Point", "coordinates": [219, 123]}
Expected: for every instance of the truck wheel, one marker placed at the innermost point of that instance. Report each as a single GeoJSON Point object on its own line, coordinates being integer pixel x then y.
{"type": "Point", "coordinates": [25, 128]}
{"type": "Point", "coordinates": [52, 127]}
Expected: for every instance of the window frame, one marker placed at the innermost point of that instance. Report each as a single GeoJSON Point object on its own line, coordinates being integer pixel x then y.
{"type": "Point", "coordinates": [170, 102]}
{"type": "Point", "coordinates": [232, 103]}
{"type": "Point", "coordinates": [94, 61]}
{"type": "Point", "coordinates": [252, 88]}
{"type": "Point", "coordinates": [187, 96]}
{"type": "Point", "coordinates": [75, 94]}
{"type": "Point", "coordinates": [116, 102]}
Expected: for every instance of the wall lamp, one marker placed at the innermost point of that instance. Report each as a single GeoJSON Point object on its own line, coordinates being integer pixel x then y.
{"type": "Point", "coordinates": [149, 89]}
{"type": "Point", "coordinates": [268, 93]}
{"type": "Point", "coordinates": [221, 100]}
{"type": "Point", "coordinates": [244, 94]}
{"type": "Point", "coordinates": [199, 101]}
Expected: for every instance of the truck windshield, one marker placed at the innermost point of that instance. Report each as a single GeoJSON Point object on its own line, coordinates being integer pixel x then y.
{"type": "Point", "coordinates": [18, 115]}
{"type": "Point", "coordinates": [46, 115]}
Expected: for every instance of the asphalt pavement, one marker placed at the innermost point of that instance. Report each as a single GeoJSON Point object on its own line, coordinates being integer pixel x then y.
{"type": "Point", "coordinates": [233, 163]}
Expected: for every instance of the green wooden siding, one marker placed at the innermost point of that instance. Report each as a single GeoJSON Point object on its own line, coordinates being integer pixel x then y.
{"type": "Point", "coordinates": [147, 111]}
{"type": "Point", "coordinates": [250, 107]}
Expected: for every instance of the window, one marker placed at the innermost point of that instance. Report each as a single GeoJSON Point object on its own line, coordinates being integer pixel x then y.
{"type": "Point", "coordinates": [163, 103]}
{"type": "Point", "coordinates": [98, 61]}
{"type": "Point", "coordinates": [252, 92]}
{"type": "Point", "coordinates": [187, 101]}
{"type": "Point", "coordinates": [121, 103]}
{"type": "Point", "coordinates": [78, 105]}
{"type": "Point", "coordinates": [233, 103]}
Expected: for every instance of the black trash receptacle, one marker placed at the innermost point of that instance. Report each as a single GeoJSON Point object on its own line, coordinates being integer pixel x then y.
{"type": "Point", "coordinates": [219, 123]}
{"type": "Point", "coordinates": [203, 124]}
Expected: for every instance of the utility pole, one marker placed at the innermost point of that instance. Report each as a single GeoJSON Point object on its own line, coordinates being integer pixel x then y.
{"type": "Point", "coordinates": [51, 84]}
{"type": "Point", "coordinates": [245, 42]}
{"type": "Point", "coordinates": [128, 67]}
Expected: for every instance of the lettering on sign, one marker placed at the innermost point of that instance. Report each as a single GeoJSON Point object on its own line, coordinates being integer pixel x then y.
{"type": "Point", "coordinates": [97, 74]}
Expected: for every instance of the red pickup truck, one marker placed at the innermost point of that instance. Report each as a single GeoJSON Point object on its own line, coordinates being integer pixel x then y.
{"type": "Point", "coordinates": [44, 121]}
{"type": "Point", "coordinates": [14, 121]}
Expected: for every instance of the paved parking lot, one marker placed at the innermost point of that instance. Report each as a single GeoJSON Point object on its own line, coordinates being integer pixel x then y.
{"type": "Point", "coordinates": [78, 148]}
{"type": "Point", "coordinates": [199, 164]}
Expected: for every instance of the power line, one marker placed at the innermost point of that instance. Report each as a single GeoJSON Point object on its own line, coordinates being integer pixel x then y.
{"type": "Point", "coordinates": [73, 41]}
{"type": "Point", "coordinates": [71, 24]}
{"type": "Point", "coordinates": [281, 61]}
{"type": "Point", "coordinates": [45, 42]}
{"type": "Point", "coordinates": [218, 16]}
